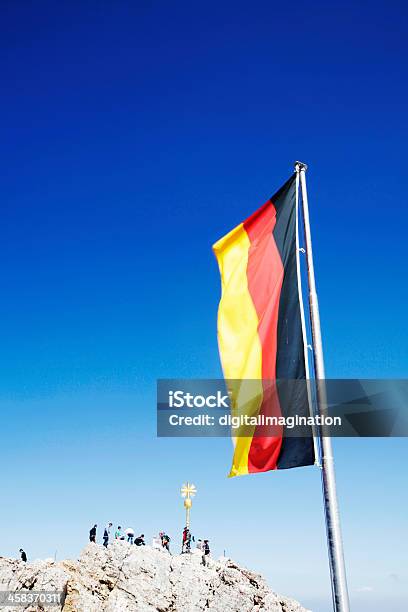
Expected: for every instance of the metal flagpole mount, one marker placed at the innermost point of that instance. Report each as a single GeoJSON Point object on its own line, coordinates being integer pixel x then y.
{"type": "Point", "coordinates": [331, 511]}
{"type": "Point", "coordinates": [300, 166]}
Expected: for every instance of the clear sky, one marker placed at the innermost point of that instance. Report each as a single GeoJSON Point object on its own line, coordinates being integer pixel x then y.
{"type": "Point", "coordinates": [135, 134]}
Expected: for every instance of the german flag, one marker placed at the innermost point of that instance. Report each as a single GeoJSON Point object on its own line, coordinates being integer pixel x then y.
{"type": "Point", "coordinates": [261, 332]}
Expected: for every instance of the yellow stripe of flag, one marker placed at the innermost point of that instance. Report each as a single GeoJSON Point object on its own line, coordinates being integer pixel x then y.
{"type": "Point", "coordinates": [238, 339]}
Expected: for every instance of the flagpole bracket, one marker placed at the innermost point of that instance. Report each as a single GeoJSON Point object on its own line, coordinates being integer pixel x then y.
{"type": "Point", "coordinates": [300, 166]}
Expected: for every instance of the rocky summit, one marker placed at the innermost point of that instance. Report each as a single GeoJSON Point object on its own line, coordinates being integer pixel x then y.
{"type": "Point", "coordinates": [129, 578]}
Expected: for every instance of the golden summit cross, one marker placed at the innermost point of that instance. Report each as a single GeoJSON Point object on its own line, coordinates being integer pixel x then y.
{"type": "Point", "coordinates": [188, 491]}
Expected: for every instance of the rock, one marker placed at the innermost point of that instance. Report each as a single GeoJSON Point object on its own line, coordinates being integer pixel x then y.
{"type": "Point", "coordinates": [126, 578]}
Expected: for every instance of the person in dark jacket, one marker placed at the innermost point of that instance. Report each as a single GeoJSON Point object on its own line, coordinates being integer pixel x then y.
{"type": "Point", "coordinates": [106, 534]}
{"type": "Point", "coordinates": [23, 555]}
{"type": "Point", "coordinates": [206, 552]}
{"type": "Point", "coordinates": [139, 541]}
{"type": "Point", "coordinates": [92, 534]}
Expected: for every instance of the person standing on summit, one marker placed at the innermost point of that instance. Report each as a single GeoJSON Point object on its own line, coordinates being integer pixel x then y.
{"type": "Point", "coordinates": [187, 537]}
{"type": "Point", "coordinates": [106, 534]}
{"type": "Point", "coordinates": [92, 534]}
{"type": "Point", "coordinates": [206, 552]}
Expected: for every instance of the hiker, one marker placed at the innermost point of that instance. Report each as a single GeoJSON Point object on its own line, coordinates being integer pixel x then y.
{"type": "Point", "coordinates": [186, 540]}
{"type": "Point", "coordinates": [200, 549]}
{"type": "Point", "coordinates": [92, 534]}
{"type": "Point", "coordinates": [23, 555]}
{"type": "Point", "coordinates": [106, 534]}
{"type": "Point", "coordinates": [139, 541]}
{"type": "Point", "coordinates": [118, 534]}
{"type": "Point", "coordinates": [206, 552]}
{"type": "Point", "coordinates": [165, 540]}
{"type": "Point", "coordinates": [130, 535]}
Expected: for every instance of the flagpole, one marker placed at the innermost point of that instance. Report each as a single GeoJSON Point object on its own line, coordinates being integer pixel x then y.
{"type": "Point", "coordinates": [331, 510]}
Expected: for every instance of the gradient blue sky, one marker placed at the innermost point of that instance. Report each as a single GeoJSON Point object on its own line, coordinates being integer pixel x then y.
{"type": "Point", "coordinates": [133, 136]}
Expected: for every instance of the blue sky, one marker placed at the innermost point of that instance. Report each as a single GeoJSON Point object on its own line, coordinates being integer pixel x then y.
{"type": "Point", "coordinates": [133, 136]}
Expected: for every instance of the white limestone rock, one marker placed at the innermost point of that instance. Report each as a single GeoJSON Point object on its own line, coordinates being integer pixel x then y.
{"type": "Point", "coordinates": [129, 578]}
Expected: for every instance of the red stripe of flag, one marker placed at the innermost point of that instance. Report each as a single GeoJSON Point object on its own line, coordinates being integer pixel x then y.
{"type": "Point", "coordinates": [265, 275]}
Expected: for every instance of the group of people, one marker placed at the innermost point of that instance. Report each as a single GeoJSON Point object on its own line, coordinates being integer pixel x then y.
{"type": "Point", "coordinates": [202, 545]}
{"type": "Point", "coordinates": [128, 534]}
{"type": "Point", "coordinates": [163, 541]}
